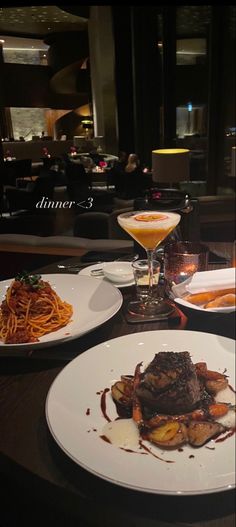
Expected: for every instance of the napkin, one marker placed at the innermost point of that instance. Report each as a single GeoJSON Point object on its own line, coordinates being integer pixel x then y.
{"type": "Point", "coordinates": [212, 280]}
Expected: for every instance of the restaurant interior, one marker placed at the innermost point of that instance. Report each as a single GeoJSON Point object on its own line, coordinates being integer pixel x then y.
{"type": "Point", "coordinates": [73, 82]}
{"type": "Point", "coordinates": [108, 115]}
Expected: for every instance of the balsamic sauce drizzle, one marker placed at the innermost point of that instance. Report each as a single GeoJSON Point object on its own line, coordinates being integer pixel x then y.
{"type": "Point", "coordinates": [105, 438]}
{"type": "Point", "coordinates": [229, 434]}
{"type": "Point", "coordinates": [152, 453]}
{"type": "Point", "coordinates": [103, 404]}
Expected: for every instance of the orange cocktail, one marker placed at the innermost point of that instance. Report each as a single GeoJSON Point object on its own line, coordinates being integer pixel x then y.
{"type": "Point", "coordinates": [149, 228]}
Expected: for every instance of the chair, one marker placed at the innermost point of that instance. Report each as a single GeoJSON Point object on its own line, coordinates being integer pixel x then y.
{"type": "Point", "coordinates": [134, 184]}
{"type": "Point", "coordinates": [58, 177]}
{"type": "Point", "coordinates": [117, 176]}
{"type": "Point", "coordinates": [28, 223]}
{"type": "Point", "coordinates": [78, 181]}
{"type": "Point", "coordinates": [1, 197]}
{"type": "Point", "coordinates": [93, 225]}
{"type": "Point", "coordinates": [48, 162]}
{"type": "Point", "coordinates": [130, 185]}
{"type": "Point", "coordinates": [119, 203]}
{"type": "Point", "coordinates": [75, 171]}
{"type": "Point", "coordinates": [18, 168]}
{"type": "Point", "coordinates": [19, 199]}
{"type": "Point", "coordinates": [100, 225]}
{"type": "Point", "coordinates": [111, 178]}
{"type": "Point", "coordinates": [217, 218]}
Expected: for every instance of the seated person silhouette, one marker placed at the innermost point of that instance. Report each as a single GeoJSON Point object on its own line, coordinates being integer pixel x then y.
{"type": "Point", "coordinates": [116, 174]}
{"type": "Point", "coordinates": [133, 180]}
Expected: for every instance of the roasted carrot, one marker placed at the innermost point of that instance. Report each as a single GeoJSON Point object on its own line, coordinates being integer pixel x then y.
{"type": "Point", "coordinates": [218, 410]}
{"type": "Point", "coordinates": [137, 410]}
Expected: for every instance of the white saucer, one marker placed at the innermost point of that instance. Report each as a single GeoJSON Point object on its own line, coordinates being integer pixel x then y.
{"type": "Point", "coordinates": [87, 272]}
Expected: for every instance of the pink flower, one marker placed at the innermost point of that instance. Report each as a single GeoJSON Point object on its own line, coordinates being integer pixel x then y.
{"type": "Point", "coordinates": [156, 195]}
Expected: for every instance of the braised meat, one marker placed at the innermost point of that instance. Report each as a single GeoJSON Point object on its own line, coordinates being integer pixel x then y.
{"type": "Point", "coordinates": [170, 384]}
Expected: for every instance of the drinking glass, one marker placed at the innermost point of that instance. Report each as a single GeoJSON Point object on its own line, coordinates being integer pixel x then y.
{"type": "Point", "coordinates": [141, 277]}
{"type": "Point", "coordinates": [149, 229]}
{"type": "Point", "coordinates": [182, 260]}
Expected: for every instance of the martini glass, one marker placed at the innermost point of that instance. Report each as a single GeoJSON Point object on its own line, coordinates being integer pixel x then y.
{"type": "Point", "coordinates": [149, 229]}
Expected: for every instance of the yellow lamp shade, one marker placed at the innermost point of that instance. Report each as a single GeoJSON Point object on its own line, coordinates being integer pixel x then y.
{"type": "Point", "coordinates": [170, 165]}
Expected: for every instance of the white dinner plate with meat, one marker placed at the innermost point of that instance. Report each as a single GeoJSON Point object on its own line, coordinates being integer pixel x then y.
{"type": "Point", "coordinates": [79, 406]}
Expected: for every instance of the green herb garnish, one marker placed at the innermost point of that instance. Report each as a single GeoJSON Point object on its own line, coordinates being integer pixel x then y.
{"type": "Point", "coordinates": [29, 279]}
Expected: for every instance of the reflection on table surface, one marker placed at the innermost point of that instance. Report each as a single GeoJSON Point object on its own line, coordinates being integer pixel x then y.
{"type": "Point", "coordinates": [46, 486]}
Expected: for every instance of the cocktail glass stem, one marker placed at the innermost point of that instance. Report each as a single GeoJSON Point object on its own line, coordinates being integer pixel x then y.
{"type": "Point", "coordinates": [150, 272]}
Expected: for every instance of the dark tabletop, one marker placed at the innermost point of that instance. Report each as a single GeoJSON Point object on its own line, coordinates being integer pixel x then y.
{"type": "Point", "coordinates": [42, 486]}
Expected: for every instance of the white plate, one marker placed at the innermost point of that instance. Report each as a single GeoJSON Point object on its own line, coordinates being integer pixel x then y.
{"type": "Point", "coordinates": [75, 419]}
{"type": "Point", "coordinates": [87, 272]}
{"type": "Point", "coordinates": [93, 303]}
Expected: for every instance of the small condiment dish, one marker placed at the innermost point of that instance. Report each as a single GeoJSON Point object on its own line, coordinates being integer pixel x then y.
{"type": "Point", "coordinates": [118, 272]}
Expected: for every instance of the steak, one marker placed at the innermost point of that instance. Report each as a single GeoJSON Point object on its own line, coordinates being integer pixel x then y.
{"type": "Point", "coordinates": [170, 384]}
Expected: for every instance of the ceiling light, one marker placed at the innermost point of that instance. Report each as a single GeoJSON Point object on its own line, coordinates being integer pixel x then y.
{"type": "Point", "coordinates": [87, 122]}
{"type": "Point", "coordinates": [2, 41]}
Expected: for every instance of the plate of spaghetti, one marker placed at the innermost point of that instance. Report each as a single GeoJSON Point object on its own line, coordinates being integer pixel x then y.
{"type": "Point", "coordinates": [40, 311]}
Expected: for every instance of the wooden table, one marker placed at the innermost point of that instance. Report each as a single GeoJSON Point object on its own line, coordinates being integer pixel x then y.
{"type": "Point", "coordinates": [42, 486]}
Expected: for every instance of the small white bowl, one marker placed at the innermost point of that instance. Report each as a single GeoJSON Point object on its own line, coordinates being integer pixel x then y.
{"type": "Point", "coordinates": [119, 272]}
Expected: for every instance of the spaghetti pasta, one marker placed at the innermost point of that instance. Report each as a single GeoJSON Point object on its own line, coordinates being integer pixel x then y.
{"type": "Point", "coordinates": [31, 309]}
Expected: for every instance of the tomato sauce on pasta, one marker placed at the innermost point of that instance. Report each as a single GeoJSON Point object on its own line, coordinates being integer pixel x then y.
{"type": "Point", "coordinates": [31, 309]}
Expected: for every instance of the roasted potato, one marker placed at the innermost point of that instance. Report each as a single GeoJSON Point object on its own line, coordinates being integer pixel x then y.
{"type": "Point", "coordinates": [199, 432]}
{"type": "Point", "coordinates": [216, 386]}
{"type": "Point", "coordinates": [122, 392]}
{"type": "Point", "coordinates": [170, 435]}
